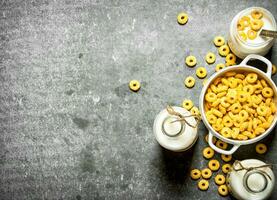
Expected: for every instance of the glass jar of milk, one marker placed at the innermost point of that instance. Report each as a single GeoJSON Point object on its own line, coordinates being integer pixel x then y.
{"type": "Point", "coordinates": [243, 46]}
{"type": "Point", "coordinates": [173, 134]}
{"type": "Point", "coordinates": [250, 179]}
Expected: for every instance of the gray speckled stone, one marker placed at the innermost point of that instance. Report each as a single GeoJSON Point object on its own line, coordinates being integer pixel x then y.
{"type": "Point", "coordinates": [70, 127]}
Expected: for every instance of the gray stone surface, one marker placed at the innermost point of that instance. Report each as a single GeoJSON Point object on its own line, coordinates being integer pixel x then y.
{"type": "Point", "coordinates": [70, 127]}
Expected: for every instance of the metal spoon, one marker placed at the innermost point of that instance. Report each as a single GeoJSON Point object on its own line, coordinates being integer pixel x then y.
{"type": "Point", "coordinates": [268, 33]}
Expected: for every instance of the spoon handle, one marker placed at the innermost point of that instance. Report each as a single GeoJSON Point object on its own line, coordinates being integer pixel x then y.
{"type": "Point", "coordinates": [269, 33]}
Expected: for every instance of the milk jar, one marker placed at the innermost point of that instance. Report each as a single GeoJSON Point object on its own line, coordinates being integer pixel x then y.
{"type": "Point", "coordinates": [173, 134]}
{"type": "Point", "coordinates": [250, 179]}
{"type": "Point", "coordinates": [261, 44]}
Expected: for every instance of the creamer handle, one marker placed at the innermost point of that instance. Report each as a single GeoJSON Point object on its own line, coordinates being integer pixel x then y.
{"type": "Point", "coordinates": [222, 151]}
{"type": "Point", "coordinates": [261, 58]}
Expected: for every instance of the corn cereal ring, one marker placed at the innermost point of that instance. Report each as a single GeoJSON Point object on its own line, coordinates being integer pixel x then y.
{"type": "Point", "coordinates": [214, 165]}
{"type": "Point", "coordinates": [267, 92]}
{"type": "Point", "coordinates": [226, 158]}
{"type": "Point", "coordinates": [226, 168]}
{"type": "Point", "coordinates": [223, 190]}
{"type": "Point", "coordinates": [182, 18]}
{"type": "Point", "coordinates": [256, 24]}
{"type": "Point", "coordinates": [217, 112]}
{"type": "Point", "coordinates": [191, 61]}
{"type": "Point", "coordinates": [262, 110]}
{"type": "Point", "coordinates": [219, 41]}
{"type": "Point", "coordinates": [249, 134]}
{"type": "Point", "coordinates": [251, 34]}
{"type": "Point", "coordinates": [206, 173]}
{"type": "Point", "coordinates": [224, 102]}
{"type": "Point", "coordinates": [243, 114]}
{"type": "Point", "coordinates": [134, 85]}
{"type": "Point", "coordinates": [242, 137]}
{"type": "Point", "coordinates": [219, 66]}
{"type": "Point", "coordinates": [235, 133]}
{"type": "Point", "coordinates": [223, 50]}
{"type": "Point", "coordinates": [201, 72]}
{"type": "Point", "coordinates": [219, 179]}
{"type": "Point", "coordinates": [240, 76]}
{"type": "Point", "coordinates": [231, 58]}
{"type": "Point", "coordinates": [261, 148]}
{"type": "Point", "coordinates": [245, 20]}
{"type": "Point", "coordinates": [221, 94]}
{"type": "Point", "coordinates": [203, 185]}
{"type": "Point", "coordinates": [211, 119]}
{"type": "Point", "coordinates": [210, 58]}
{"type": "Point", "coordinates": [259, 130]}
{"type": "Point", "coordinates": [195, 174]}
{"type": "Point", "coordinates": [226, 132]}
{"type": "Point", "coordinates": [189, 82]}
{"type": "Point", "coordinates": [249, 89]}
{"type": "Point", "coordinates": [208, 152]}
{"type": "Point", "coordinates": [210, 97]}
{"type": "Point", "coordinates": [242, 96]}
{"type": "Point", "coordinates": [240, 26]}
{"type": "Point", "coordinates": [187, 104]}
{"type": "Point", "coordinates": [235, 108]}
{"type": "Point", "coordinates": [195, 111]}
{"type": "Point", "coordinates": [243, 35]}
{"type": "Point", "coordinates": [256, 14]}
{"type": "Point", "coordinates": [251, 78]}
{"type": "Point", "coordinates": [221, 144]}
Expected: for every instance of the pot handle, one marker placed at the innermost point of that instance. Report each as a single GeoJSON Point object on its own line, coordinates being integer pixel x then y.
{"type": "Point", "coordinates": [226, 152]}
{"type": "Point", "coordinates": [261, 58]}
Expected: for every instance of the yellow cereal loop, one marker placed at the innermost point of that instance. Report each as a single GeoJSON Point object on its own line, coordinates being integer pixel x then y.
{"type": "Point", "coordinates": [210, 58]}
{"type": "Point", "coordinates": [195, 111]}
{"type": "Point", "coordinates": [203, 185]}
{"type": "Point", "coordinates": [240, 26]}
{"type": "Point", "coordinates": [221, 94]}
{"type": "Point", "coordinates": [189, 82]}
{"type": "Point", "coordinates": [219, 41]}
{"type": "Point", "coordinates": [256, 24]}
{"type": "Point", "coordinates": [210, 97]}
{"type": "Point", "coordinates": [267, 92]}
{"type": "Point", "coordinates": [251, 78]}
{"type": "Point", "coordinates": [226, 132]}
{"type": "Point", "coordinates": [134, 85]}
{"type": "Point", "coordinates": [224, 50]}
{"type": "Point", "coordinates": [201, 72]}
{"type": "Point", "coordinates": [219, 66]}
{"type": "Point", "coordinates": [256, 14]}
{"type": "Point", "coordinates": [261, 148]}
{"type": "Point", "coordinates": [249, 89]}
{"type": "Point", "coordinates": [195, 174]}
{"type": "Point", "coordinates": [217, 112]}
{"type": "Point", "coordinates": [243, 35]}
{"type": "Point", "coordinates": [226, 168]}
{"type": "Point", "coordinates": [187, 104]}
{"type": "Point", "coordinates": [242, 96]}
{"type": "Point", "coordinates": [219, 179]}
{"type": "Point", "coordinates": [240, 76]}
{"type": "Point", "coordinates": [245, 20]}
{"type": "Point", "coordinates": [182, 18]}
{"type": "Point", "coordinates": [272, 107]}
{"type": "Point", "coordinates": [226, 158]}
{"type": "Point", "coordinates": [249, 134]}
{"type": "Point", "coordinates": [235, 108]}
{"type": "Point", "coordinates": [208, 152]}
{"type": "Point", "coordinates": [235, 133]}
{"type": "Point", "coordinates": [223, 190]}
{"type": "Point", "coordinates": [191, 61]}
{"type": "Point", "coordinates": [206, 173]}
{"type": "Point", "coordinates": [251, 34]}
{"type": "Point", "coordinates": [259, 130]}
{"type": "Point", "coordinates": [214, 165]}
{"type": "Point", "coordinates": [230, 58]}
{"type": "Point", "coordinates": [222, 145]}
{"type": "Point", "coordinates": [243, 114]}
{"type": "Point", "coordinates": [273, 69]}
{"type": "Point", "coordinates": [242, 137]}
{"type": "Point", "coordinates": [262, 110]}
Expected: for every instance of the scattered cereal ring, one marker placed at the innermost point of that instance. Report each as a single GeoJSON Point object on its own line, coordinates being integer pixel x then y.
{"type": "Point", "coordinates": [251, 34]}
{"type": "Point", "coordinates": [243, 35]}
{"type": "Point", "coordinates": [182, 18]}
{"type": "Point", "coordinates": [261, 148]}
{"type": "Point", "coordinates": [267, 92]}
{"type": "Point", "coordinates": [223, 190]}
{"type": "Point", "coordinates": [256, 24]}
{"type": "Point", "coordinates": [210, 58]}
{"type": "Point", "coordinates": [221, 144]}
{"type": "Point", "coordinates": [226, 168]}
{"type": "Point", "coordinates": [273, 69]}
{"type": "Point", "coordinates": [214, 165]}
{"type": "Point", "coordinates": [245, 20]}
{"type": "Point", "coordinates": [226, 158]}
{"type": "Point", "coordinates": [134, 85]}
{"type": "Point", "coordinates": [203, 185]}
{"type": "Point", "coordinates": [206, 173]}
{"type": "Point", "coordinates": [195, 111]}
{"type": "Point", "coordinates": [256, 14]}
{"type": "Point", "coordinates": [240, 26]}
{"type": "Point", "coordinates": [219, 66]}
{"type": "Point", "coordinates": [189, 82]}
{"type": "Point", "coordinates": [195, 174]}
{"type": "Point", "coordinates": [208, 152]}
{"type": "Point", "coordinates": [230, 58]}
{"type": "Point", "coordinates": [201, 72]}
{"type": "Point", "coordinates": [187, 104]}
{"type": "Point", "coordinates": [191, 61]}
{"type": "Point", "coordinates": [219, 179]}
{"type": "Point", "coordinates": [224, 50]}
{"type": "Point", "coordinates": [219, 41]}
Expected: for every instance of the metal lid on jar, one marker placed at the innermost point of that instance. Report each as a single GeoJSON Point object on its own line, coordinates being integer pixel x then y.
{"type": "Point", "coordinates": [173, 134]}
{"type": "Point", "coordinates": [251, 179]}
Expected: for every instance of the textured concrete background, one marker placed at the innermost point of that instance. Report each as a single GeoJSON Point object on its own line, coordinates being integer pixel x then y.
{"type": "Point", "coordinates": [70, 127]}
